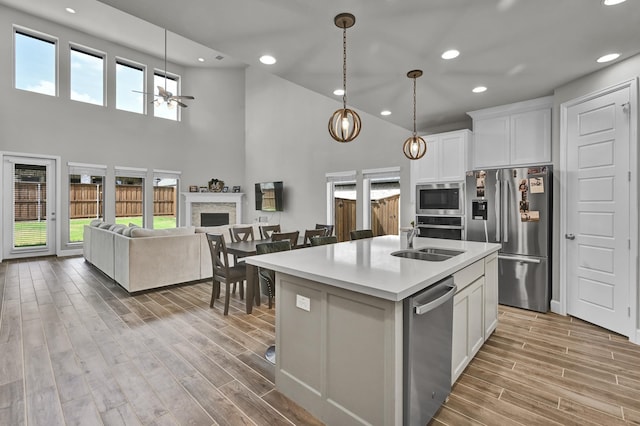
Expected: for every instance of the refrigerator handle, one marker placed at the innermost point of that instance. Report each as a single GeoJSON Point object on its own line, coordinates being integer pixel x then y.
{"type": "Point", "coordinates": [507, 206]}
{"type": "Point", "coordinates": [496, 202]}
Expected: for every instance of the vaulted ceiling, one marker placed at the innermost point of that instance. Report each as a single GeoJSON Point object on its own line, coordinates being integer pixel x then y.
{"type": "Point", "coordinates": [518, 49]}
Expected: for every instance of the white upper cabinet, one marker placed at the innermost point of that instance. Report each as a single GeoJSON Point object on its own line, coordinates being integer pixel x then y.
{"type": "Point", "coordinates": [445, 160]}
{"type": "Point", "coordinates": [512, 135]}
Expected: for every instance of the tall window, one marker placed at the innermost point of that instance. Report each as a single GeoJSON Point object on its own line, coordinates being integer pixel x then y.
{"type": "Point", "coordinates": [129, 193]}
{"type": "Point", "coordinates": [129, 85]}
{"type": "Point", "coordinates": [87, 77]}
{"type": "Point", "coordinates": [161, 108]}
{"type": "Point", "coordinates": [35, 63]}
{"type": "Point", "coordinates": [165, 199]}
{"type": "Point", "coordinates": [381, 191]}
{"type": "Point", "coordinates": [86, 197]}
{"type": "Point", "coordinates": [341, 202]}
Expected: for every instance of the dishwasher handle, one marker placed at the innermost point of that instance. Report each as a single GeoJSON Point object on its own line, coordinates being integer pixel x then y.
{"type": "Point", "coordinates": [431, 305]}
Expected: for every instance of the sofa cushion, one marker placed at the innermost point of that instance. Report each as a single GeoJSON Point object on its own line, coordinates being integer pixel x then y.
{"type": "Point", "coordinates": [105, 226]}
{"type": "Point", "coordinates": [144, 232]}
{"type": "Point", "coordinates": [118, 228]}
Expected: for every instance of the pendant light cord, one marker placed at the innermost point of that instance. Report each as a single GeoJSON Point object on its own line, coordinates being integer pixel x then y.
{"type": "Point", "coordinates": [414, 106]}
{"type": "Point", "coordinates": [344, 66]}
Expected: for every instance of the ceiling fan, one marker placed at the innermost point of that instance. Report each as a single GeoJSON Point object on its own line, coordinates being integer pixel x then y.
{"type": "Point", "coordinates": [163, 94]}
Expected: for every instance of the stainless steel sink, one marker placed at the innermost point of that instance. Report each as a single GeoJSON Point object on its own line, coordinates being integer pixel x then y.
{"type": "Point", "coordinates": [430, 254]}
{"type": "Point", "coordinates": [445, 252]}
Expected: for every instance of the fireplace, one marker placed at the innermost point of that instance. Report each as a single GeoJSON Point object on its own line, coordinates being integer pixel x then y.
{"type": "Point", "coordinates": [199, 206]}
{"type": "Point", "coordinates": [214, 219]}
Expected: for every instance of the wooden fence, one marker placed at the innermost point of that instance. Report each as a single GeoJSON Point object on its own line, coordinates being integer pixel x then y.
{"type": "Point", "coordinates": [384, 216]}
{"type": "Point", "coordinates": [85, 201]}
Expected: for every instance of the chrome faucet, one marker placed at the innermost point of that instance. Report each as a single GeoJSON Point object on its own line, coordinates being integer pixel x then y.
{"type": "Point", "coordinates": [410, 236]}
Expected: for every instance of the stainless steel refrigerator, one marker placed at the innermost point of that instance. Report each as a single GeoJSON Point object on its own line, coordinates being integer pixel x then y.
{"type": "Point", "coordinates": [513, 207]}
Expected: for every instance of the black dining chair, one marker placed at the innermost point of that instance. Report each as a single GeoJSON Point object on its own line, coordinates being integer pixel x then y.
{"type": "Point", "coordinates": [292, 237]}
{"type": "Point", "coordinates": [267, 230]}
{"type": "Point", "coordinates": [328, 228]}
{"type": "Point", "coordinates": [359, 234]}
{"type": "Point", "coordinates": [322, 240]}
{"type": "Point", "coordinates": [223, 272]}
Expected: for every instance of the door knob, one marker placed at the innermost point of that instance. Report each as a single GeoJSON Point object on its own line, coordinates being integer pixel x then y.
{"type": "Point", "coordinates": [570, 236]}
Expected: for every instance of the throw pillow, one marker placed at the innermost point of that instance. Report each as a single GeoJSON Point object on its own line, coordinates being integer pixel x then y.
{"type": "Point", "coordinates": [95, 223]}
{"type": "Point", "coordinates": [105, 225]}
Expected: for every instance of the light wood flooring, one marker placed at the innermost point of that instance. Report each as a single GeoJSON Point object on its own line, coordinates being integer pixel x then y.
{"type": "Point", "coordinates": [77, 349]}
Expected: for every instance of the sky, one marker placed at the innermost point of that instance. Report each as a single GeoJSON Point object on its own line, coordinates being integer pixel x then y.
{"type": "Point", "coordinates": [35, 62]}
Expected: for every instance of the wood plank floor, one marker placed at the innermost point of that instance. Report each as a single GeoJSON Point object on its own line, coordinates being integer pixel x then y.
{"type": "Point", "coordinates": [77, 349]}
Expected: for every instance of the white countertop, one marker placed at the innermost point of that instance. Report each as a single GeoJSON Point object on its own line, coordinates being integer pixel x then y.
{"type": "Point", "coordinates": [366, 266]}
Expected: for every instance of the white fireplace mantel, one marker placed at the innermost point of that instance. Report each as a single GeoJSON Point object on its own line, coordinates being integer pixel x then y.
{"type": "Point", "coordinates": [211, 197]}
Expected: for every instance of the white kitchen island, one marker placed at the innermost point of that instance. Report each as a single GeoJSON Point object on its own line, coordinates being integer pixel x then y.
{"type": "Point", "coordinates": [339, 321]}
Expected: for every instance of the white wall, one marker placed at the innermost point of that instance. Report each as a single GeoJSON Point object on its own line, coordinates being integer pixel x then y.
{"type": "Point", "coordinates": [287, 139]}
{"type": "Point", "coordinates": [208, 142]}
{"type": "Point", "coordinates": [607, 77]}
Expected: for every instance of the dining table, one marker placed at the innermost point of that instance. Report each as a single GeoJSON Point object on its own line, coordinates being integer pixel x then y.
{"type": "Point", "coordinates": [248, 248]}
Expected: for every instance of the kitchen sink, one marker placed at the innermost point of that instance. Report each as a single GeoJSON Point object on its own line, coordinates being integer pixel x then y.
{"type": "Point", "coordinates": [430, 254]}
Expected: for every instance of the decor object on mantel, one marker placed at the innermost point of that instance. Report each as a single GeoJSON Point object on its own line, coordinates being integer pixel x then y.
{"type": "Point", "coordinates": [216, 185]}
{"type": "Point", "coordinates": [344, 124]}
{"type": "Point", "coordinates": [414, 147]}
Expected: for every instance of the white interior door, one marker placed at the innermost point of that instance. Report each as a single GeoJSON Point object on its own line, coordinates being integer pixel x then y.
{"type": "Point", "coordinates": [598, 215]}
{"type": "Point", "coordinates": [29, 203]}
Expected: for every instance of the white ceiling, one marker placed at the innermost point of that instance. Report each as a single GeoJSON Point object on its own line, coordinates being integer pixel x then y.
{"type": "Point", "coordinates": [519, 49]}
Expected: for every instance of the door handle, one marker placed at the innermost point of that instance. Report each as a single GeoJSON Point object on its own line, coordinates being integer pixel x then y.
{"type": "Point", "coordinates": [570, 236]}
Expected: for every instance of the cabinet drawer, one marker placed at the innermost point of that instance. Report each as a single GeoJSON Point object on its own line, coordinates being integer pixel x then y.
{"type": "Point", "coordinates": [469, 274]}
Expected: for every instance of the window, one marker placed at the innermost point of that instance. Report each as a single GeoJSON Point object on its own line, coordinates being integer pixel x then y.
{"type": "Point", "coordinates": [161, 108]}
{"type": "Point", "coordinates": [129, 85]}
{"type": "Point", "coordinates": [341, 202]}
{"type": "Point", "coordinates": [87, 77]}
{"type": "Point", "coordinates": [130, 195]}
{"type": "Point", "coordinates": [35, 63]}
{"type": "Point", "coordinates": [381, 191]}
{"type": "Point", "coordinates": [165, 199]}
{"type": "Point", "coordinates": [86, 197]}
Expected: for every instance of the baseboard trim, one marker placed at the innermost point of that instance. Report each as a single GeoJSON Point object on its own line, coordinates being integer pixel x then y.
{"type": "Point", "coordinates": [556, 308]}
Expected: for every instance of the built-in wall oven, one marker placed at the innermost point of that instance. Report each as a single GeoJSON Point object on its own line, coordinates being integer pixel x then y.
{"type": "Point", "coordinates": [440, 210]}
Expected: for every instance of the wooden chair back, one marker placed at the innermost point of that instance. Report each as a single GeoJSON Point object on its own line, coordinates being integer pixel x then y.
{"type": "Point", "coordinates": [241, 233]}
{"type": "Point", "coordinates": [267, 277]}
{"type": "Point", "coordinates": [292, 237]}
{"type": "Point", "coordinates": [267, 230]}
{"type": "Point", "coordinates": [309, 233]}
{"type": "Point", "coordinates": [328, 228]}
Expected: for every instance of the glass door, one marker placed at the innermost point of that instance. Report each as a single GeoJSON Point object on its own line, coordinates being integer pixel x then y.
{"type": "Point", "coordinates": [29, 206]}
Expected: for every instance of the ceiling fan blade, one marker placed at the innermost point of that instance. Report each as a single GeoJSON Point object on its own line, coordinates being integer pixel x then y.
{"type": "Point", "coordinates": [180, 103]}
{"type": "Point", "coordinates": [162, 92]}
{"type": "Point", "coordinates": [182, 97]}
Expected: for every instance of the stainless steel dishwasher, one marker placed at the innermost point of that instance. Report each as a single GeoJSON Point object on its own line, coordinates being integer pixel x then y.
{"type": "Point", "coordinates": [428, 323]}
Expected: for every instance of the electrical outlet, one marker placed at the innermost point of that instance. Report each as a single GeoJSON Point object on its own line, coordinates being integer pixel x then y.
{"type": "Point", "coordinates": [303, 303]}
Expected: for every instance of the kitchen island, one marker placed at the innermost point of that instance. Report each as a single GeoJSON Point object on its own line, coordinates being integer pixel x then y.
{"type": "Point", "coordinates": [339, 321]}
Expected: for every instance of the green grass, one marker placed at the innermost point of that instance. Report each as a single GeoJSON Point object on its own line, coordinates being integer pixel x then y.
{"type": "Point", "coordinates": [33, 233]}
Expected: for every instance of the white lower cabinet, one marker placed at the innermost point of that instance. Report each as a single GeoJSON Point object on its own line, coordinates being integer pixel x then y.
{"type": "Point", "coordinates": [468, 326]}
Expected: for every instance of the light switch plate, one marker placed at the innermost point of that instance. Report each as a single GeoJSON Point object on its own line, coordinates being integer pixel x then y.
{"type": "Point", "coordinates": [303, 303]}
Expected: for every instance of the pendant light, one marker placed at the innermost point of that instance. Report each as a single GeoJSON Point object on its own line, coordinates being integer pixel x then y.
{"type": "Point", "coordinates": [414, 147]}
{"type": "Point", "coordinates": [344, 124]}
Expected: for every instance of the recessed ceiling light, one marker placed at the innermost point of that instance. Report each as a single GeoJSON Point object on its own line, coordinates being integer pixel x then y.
{"type": "Point", "coordinates": [612, 2]}
{"type": "Point", "coordinates": [267, 59]}
{"type": "Point", "coordinates": [479, 89]}
{"type": "Point", "coordinates": [70, 10]}
{"type": "Point", "coordinates": [608, 58]}
{"type": "Point", "coordinates": [385, 112]}
{"type": "Point", "coordinates": [450, 54]}
{"type": "Point", "coordinates": [338, 92]}
{"type": "Point", "coordinates": [201, 59]}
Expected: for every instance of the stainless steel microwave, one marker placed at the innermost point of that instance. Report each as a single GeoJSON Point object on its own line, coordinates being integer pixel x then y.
{"type": "Point", "coordinates": [440, 198]}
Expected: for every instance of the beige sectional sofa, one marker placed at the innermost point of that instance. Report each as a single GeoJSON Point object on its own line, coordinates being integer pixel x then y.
{"type": "Point", "coordinates": [151, 258]}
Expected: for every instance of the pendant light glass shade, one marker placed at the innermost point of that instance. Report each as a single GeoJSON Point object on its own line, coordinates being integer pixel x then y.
{"type": "Point", "coordinates": [344, 124]}
{"type": "Point", "coordinates": [414, 147]}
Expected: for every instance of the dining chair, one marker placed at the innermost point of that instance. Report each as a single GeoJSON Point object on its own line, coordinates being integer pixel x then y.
{"type": "Point", "coordinates": [310, 233]}
{"type": "Point", "coordinates": [223, 272]}
{"type": "Point", "coordinates": [359, 234]}
{"type": "Point", "coordinates": [292, 237]}
{"type": "Point", "coordinates": [328, 228]}
{"type": "Point", "coordinates": [322, 240]}
{"type": "Point", "coordinates": [267, 279]}
{"type": "Point", "coordinates": [241, 233]}
{"type": "Point", "coordinates": [267, 230]}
